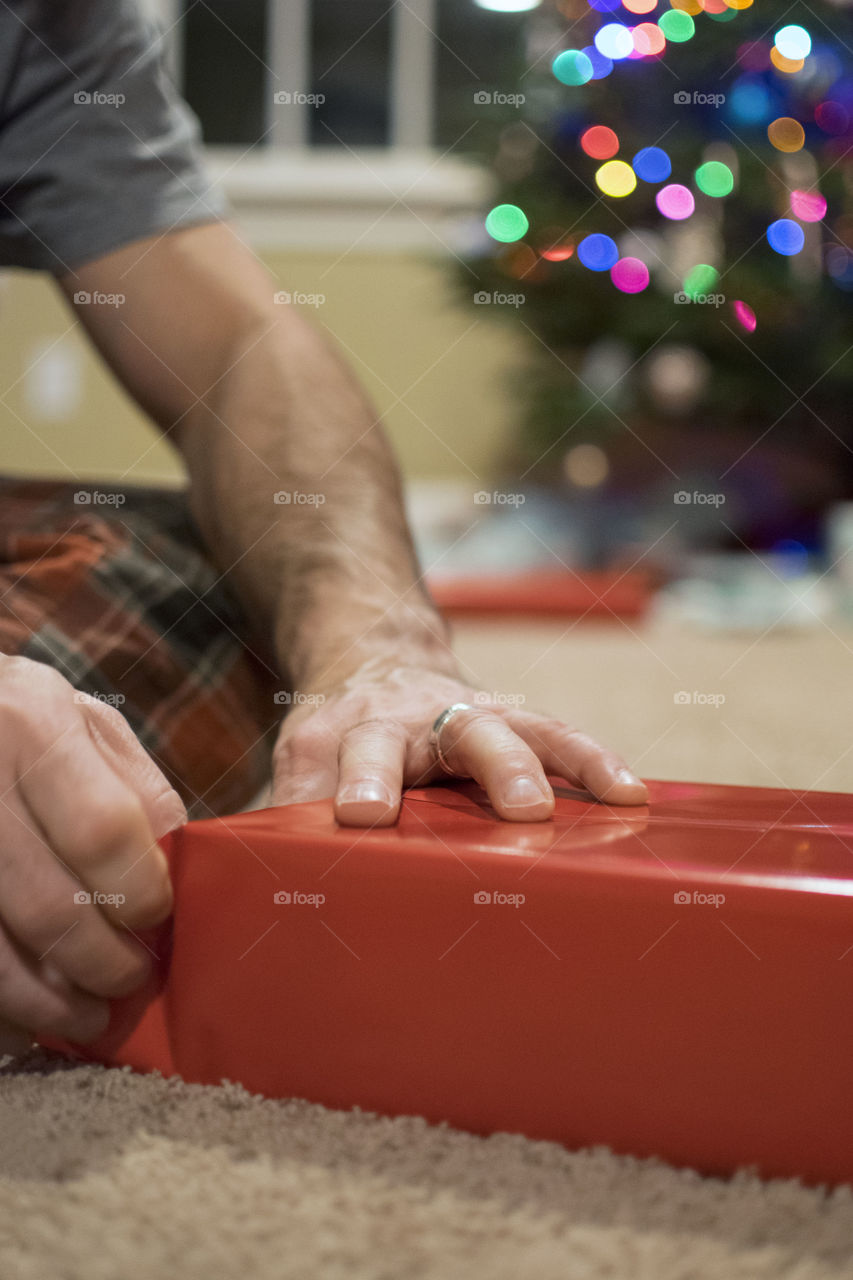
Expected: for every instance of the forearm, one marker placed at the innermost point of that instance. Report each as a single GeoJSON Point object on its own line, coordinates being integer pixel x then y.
{"type": "Point", "coordinates": [258, 404]}
{"type": "Point", "coordinates": [331, 574]}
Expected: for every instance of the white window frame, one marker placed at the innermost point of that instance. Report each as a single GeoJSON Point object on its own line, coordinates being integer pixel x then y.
{"type": "Point", "coordinates": [288, 194]}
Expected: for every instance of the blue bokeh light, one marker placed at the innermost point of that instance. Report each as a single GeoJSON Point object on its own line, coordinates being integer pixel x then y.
{"type": "Point", "coordinates": [598, 252]}
{"type": "Point", "coordinates": [786, 236]}
{"type": "Point", "coordinates": [601, 66]}
{"type": "Point", "coordinates": [652, 164]}
{"type": "Point", "coordinates": [750, 101]}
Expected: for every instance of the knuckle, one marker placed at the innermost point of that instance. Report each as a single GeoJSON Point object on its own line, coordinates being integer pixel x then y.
{"type": "Point", "coordinates": [16, 669]}
{"type": "Point", "coordinates": [575, 739]}
{"type": "Point", "coordinates": [549, 725]}
{"type": "Point", "coordinates": [311, 740]}
{"type": "Point", "coordinates": [26, 715]}
{"type": "Point", "coordinates": [28, 690]}
{"type": "Point", "coordinates": [42, 920]}
{"type": "Point", "coordinates": [104, 828]}
{"type": "Point", "coordinates": [375, 726]}
{"type": "Point", "coordinates": [120, 974]}
{"type": "Point", "coordinates": [368, 722]}
{"type": "Point", "coordinates": [553, 724]}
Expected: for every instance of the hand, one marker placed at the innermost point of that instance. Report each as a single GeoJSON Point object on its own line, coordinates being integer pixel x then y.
{"type": "Point", "coordinates": [370, 737]}
{"type": "Point", "coordinates": [82, 806]}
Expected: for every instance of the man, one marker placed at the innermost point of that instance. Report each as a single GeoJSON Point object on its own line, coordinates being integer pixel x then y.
{"type": "Point", "coordinates": [189, 614]}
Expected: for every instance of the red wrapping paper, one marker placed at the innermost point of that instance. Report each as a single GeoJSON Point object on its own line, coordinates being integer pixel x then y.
{"type": "Point", "coordinates": [584, 1002]}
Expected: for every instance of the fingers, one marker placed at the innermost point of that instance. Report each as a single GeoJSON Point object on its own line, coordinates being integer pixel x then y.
{"type": "Point", "coordinates": [97, 828]}
{"type": "Point", "coordinates": [363, 769]}
{"type": "Point", "coordinates": [510, 753]}
{"type": "Point", "coordinates": [305, 763]}
{"type": "Point", "coordinates": [371, 765]}
{"type": "Point", "coordinates": [579, 759]}
{"type": "Point", "coordinates": [38, 999]}
{"type": "Point", "coordinates": [78, 795]}
{"type": "Point", "coordinates": [78, 858]}
{"type": "Point", "coordinates": [482, 745]}
{"type": "Point", "coordinates": [42, 913]}
{"type": "Point", "coordinates": [129, 760]}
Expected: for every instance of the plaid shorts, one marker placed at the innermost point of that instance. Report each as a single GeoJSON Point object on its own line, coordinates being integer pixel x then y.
{"type": "Point", "coordinates": [112, 587]}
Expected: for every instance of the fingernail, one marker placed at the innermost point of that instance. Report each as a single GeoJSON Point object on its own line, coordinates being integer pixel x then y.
{"type": "Point", "coordinates": [366, 793]}
{"type": "Point", "coordinates": [630, 779]}
{"type": "Point", "coordinates": [523, 793]}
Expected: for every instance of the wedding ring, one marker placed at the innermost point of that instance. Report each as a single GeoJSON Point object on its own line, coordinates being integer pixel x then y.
{"type": "Point", "coordinates": [435, 736]}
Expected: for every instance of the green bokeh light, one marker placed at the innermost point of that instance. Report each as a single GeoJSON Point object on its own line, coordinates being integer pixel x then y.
{"type": "Point", "coordinates": [700, 280]}
{"type": "Point", "coordinates": [506, 222]}
{"type": "Point", "coordinates": [677, 25]}
{"type": "Point", "coordinates": [714, 178]}
{"type": "Point", "coordinates": [572, 67]}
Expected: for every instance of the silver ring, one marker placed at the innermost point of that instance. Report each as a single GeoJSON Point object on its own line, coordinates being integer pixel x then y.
{"type": "Point", "coordinates": [435, 736]}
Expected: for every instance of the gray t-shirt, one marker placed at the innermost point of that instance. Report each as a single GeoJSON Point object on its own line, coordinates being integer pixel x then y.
{"type": "Point", "coordinates": [96, 147]}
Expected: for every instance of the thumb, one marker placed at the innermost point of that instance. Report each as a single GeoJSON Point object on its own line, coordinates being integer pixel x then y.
{"type": "Point", "coordinates": [125, 754]}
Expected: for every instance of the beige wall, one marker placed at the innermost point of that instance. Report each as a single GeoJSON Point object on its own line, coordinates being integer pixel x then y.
{"type": "Point", "coordinates": [62, 413]}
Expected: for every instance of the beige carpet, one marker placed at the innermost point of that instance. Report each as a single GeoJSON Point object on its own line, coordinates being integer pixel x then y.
{"type": "Point", "coordinates": [109, 1176]}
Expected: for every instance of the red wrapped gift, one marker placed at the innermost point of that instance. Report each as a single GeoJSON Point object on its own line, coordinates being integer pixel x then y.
{"type": "Point", "coordinates": [674, 980]}
{"type": "Point", "coordinates": [608, 595]}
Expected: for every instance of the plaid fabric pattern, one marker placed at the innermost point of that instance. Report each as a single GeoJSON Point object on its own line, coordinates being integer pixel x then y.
{"type": "Point", "coordinates": [112, 587]}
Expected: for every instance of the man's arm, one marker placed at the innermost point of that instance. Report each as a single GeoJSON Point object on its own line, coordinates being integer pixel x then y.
{"type": "Point", "coordinates": [259, 405]}
{"type": "Point", "coordinates": [262, 412]}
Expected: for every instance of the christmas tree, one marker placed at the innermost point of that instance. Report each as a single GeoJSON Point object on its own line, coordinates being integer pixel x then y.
{"type": "Point", "coordinates": [672, 238]}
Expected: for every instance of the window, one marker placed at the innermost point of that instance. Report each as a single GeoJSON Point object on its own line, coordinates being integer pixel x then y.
{"type": "Point", "coordinates": [324, 110]}
{"type": "Point", "coordinates": [338, 73]}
